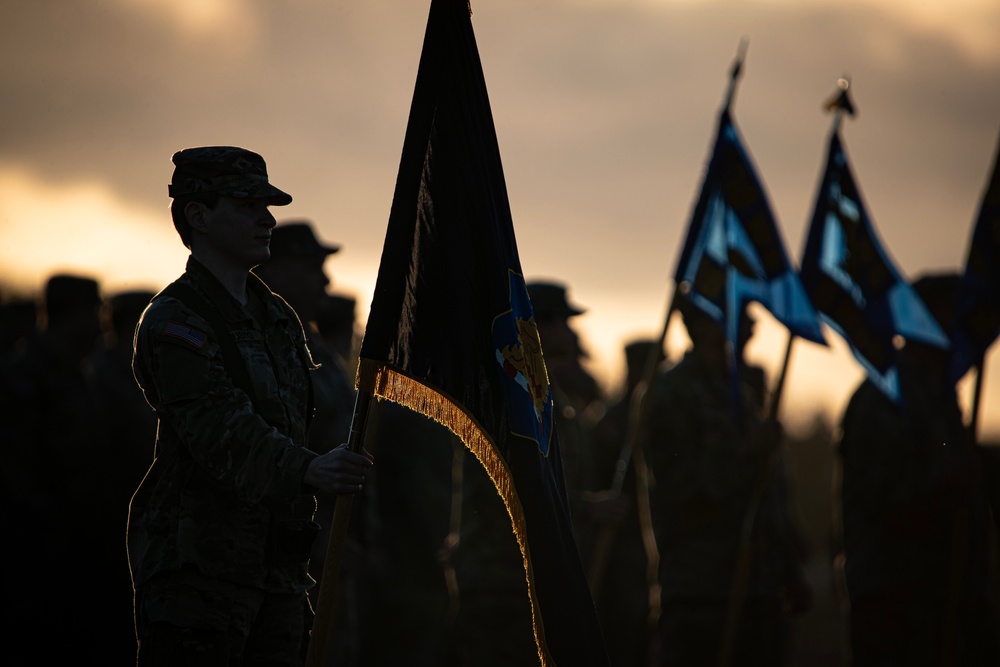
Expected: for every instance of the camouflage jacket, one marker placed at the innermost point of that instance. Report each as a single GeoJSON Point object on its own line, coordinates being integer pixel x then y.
{"type": "Point", "coordinates": [224, 495]}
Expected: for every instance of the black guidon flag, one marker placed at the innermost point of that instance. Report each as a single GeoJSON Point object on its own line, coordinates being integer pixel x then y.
{"type": "Point", "coordinates": [977, 306]}
{"type": "Point", "coordinates": [451, 333]}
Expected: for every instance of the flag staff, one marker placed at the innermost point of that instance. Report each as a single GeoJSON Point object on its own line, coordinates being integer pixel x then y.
{"type": "Point", "coordinates": [325, 618]}
{"type": "Point", "coordinates": [839, 104]}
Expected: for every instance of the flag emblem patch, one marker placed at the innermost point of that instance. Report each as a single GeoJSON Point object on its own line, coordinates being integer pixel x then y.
{"type": "Point", "coordinates": [522, 368]}
{"type": "Point", "coordinates": [185, 333]}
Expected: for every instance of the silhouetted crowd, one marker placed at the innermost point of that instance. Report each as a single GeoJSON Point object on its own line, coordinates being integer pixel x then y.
{"type": "Point", "coordinates": [682, 504]}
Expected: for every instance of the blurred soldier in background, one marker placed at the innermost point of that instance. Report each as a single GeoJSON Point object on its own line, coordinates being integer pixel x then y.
{"type": "Point", "coordinates": [336, 324]}
{"type": "Point", "coordinates": [618, 570]}
{"type": "Point", "coordinates": [51, 479]}
{"type": "Point", "coordinates": [296, 272]}
{"type": "Point", "coordinates": [578, 403]}
{"type": "Point", "coordinates": [707, 456]}
{"type": "Point", "coordinates": [915, 520]}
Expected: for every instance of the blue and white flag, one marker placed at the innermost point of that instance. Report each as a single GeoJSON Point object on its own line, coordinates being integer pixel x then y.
{"type": "Point", "coordinates": [733, 253]}
{"type": "Point", "coordinates": [853, 281]}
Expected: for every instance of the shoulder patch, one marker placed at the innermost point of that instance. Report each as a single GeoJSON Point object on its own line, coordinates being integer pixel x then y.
{"type": "Point", "coordinates": [185, 333]}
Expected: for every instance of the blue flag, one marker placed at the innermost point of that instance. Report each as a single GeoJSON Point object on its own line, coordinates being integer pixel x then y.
{"type": "Point", "coordinates": [451, 333]}
{"type": "Point", "coordinates": [733, 253]}
{"type": "Point", "coordinates": [977, 316]}
{"type": "Point", "coordinates": [854, 283]}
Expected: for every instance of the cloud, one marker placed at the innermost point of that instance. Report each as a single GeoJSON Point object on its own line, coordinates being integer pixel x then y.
{"type": "Point", "coordinates": [605, 112]}
{"type": "Point", "coordinates": [81, 228]}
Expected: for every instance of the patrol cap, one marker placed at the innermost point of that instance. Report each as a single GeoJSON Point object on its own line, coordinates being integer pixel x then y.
{"type": "Point", "coordinates": [548, 300]}
{"type": "Point", "coordinates": [224, 170]}
{"type": "Point", "coordinates": [296, 238]}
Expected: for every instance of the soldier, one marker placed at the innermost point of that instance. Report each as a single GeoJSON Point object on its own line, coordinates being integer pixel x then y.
{"type": "Point", "coordinates": [337, 326]}
{"type": "Point", "coordinates": [296, 272]}
{"type": "Point", "coordinates": [920, 593]}
{"type": "Point", "coordinates": [220, 530]}
{"type": "Point", "coordinates": [51, 482]}
{"type": "Point", "coordinates": [619, 566]}
{"type": "Point", "coordinates": [577, 404]}
{"type": "Point", "coordinates": [707, 455]}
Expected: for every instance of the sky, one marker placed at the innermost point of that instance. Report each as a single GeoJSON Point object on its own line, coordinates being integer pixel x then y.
{"type": "Point", "coordinates": [605, 112]}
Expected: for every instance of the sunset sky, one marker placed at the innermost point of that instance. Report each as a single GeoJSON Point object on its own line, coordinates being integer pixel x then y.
{"type": "Point", "coordinates": [605, 112]}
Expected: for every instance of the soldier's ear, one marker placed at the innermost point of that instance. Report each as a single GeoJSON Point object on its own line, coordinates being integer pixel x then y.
{"type": "Point", "coordinates": [194, 211]}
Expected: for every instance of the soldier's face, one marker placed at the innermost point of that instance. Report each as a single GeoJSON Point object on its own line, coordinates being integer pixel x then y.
{"type": "Point", "coordinates": [240, 230]}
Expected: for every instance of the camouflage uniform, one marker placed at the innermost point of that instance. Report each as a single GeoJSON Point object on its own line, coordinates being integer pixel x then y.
{"type": "Point", "coordinates": [223, 517]}
{"type": "Point", "coordinates": [704, 478]}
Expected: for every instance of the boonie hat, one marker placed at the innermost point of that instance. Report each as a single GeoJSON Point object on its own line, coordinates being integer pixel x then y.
{"type": "Point", "coordinates": [225, 170]}
{"type": "Point", "coordinates": [549, 300]}
{"type": "Point", "coordinates": [295, 238]}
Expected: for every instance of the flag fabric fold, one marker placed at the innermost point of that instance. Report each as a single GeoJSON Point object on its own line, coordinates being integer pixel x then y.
{"type": "Point", "coordinates": [733, 252]}
{"type": "Point", "coordinates": [853, 282]}
{"type": "Point", "coordinates": [451, 332]}
{"type": "Point", "coordinates": [977, 321]}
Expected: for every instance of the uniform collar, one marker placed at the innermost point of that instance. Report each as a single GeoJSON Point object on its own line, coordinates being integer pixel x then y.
{"type": "Point", "coordinates": [231, 309]}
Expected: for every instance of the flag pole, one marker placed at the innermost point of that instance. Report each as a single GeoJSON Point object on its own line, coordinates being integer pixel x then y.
{"type": "Point", "coordinates": [325, 618]}
{"type": "Point", "coordinates": [762, 479]}
{"type": "Point", "coordinates": [735, 72]}
{"type": "Point", "coordinates": [839, 104]}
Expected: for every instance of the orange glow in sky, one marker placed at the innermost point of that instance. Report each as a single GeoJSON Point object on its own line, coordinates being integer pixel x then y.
{"type": "Point", "coordinates": [605, 113]}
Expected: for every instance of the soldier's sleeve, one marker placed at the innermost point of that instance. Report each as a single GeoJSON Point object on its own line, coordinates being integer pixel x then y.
{"type": "Point", "coordinates": [183, 375]}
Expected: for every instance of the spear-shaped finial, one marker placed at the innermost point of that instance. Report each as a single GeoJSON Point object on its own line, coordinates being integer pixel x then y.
{"type": "Point", "coordinates": [840, 102]}
{"type": "Point", "coordinates": [736, 71]}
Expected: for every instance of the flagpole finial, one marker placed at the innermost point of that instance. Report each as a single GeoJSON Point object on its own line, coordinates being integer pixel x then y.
{"type": "Point", "coordinates": [840, 102]}
{"type": "Point", "coordinates": [737, 70]}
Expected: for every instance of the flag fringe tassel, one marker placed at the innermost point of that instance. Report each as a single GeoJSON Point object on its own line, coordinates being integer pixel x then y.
{"type": "Point", "coordinates": [387, 383]}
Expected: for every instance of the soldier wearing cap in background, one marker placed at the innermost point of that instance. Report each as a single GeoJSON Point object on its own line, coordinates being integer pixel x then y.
{"type": "Point", "coordinates": [296, 272]}
{"type": "Point", "coordinates": [221, 528]}
{"type": "Point", "coordinates": [578, 403]}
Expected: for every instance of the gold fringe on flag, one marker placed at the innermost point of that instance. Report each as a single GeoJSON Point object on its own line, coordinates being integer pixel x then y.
{"type": "Point", "coordinates": [384, 382]}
